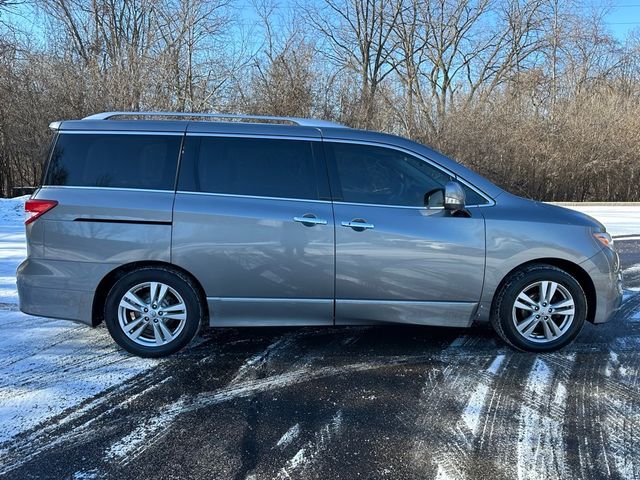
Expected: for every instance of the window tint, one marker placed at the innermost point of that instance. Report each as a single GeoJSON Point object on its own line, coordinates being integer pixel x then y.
{"type": "Point", "coordinates": [472, 197]}
{"type": "Point", "coordinates": [384, 176]}
{"type": "Point", "coordinates": [112, 160]}
{"type": "Point", "coordinates": [253, 166]}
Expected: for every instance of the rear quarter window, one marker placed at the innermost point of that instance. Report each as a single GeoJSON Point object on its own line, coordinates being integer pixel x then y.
{"type": "Point", "coordinates": [114, 160]}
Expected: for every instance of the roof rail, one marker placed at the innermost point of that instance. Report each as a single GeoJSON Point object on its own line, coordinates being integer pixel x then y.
{"type": "Point", "coordinates": [303, 122]}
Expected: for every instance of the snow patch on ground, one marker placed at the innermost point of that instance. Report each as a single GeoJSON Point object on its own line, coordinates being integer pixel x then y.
{"type": "Point", "coordinates": [540, 448]}
{"type": "Point", "coordinates": [289, 436]}
{"type": "Point", "coordinates": [47, 366]}
{"type": "Point", "coordinates": [619, 219]}
{"type": "Point", "coordinates": [472, 414]}
{"type": "Point", "coordinates": [143, 436]}
{"type": "Point", "coordinates": [313, 448]}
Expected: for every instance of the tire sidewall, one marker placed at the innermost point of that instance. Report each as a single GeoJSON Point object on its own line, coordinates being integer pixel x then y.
{"type": "Point", "coordinates": [175, 281]}
{"type": "Point", "coordinates": [543, 274]}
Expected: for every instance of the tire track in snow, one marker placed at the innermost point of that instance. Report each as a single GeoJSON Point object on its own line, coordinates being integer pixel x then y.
{"type": "Point", "coordinates": [309, 453]}
{"type": "Point", "coordinates": [150, 430]}
{"type": "Point", "coordinates": [460, 392]}
{"type": "Point", "coordinates": [78, 426]}
{"type": "Point", "coordinates": [540, 447]}
{"type": "Point", "coordinates": [619, 403]}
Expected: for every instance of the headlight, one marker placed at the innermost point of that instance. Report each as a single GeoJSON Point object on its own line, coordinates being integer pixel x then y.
{"type": "Point", "coordinates": [604, 238]}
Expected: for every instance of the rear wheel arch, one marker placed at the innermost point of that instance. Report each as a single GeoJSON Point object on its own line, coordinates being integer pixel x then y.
{"type": "Point", "coordinates": [571, 268]}
{"type": "Point", "coordinates": [109, 280]}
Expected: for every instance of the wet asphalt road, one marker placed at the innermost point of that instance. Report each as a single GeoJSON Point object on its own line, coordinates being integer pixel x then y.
{"type": "Point", "coordinates": [365, 402]}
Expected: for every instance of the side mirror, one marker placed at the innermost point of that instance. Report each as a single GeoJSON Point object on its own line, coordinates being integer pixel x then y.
{"type": "Point", "coordinates": [454, 197]}
{"type": "Point", "coordinates": [434, 198]}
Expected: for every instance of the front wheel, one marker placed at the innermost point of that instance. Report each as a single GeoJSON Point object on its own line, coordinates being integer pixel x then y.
{"type": "Point", "coordinates": [540, 308]}
{"type": "Point", "coordinates": [153, 311]}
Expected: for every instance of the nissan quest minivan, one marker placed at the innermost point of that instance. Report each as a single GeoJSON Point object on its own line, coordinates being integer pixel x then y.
{"type": "Point", "coordinates": [159, 222]}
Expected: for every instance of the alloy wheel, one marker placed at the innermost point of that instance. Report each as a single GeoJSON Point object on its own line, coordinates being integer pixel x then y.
{"type": "Point", "coordinates": [543, 311]}
{"type": "Point", "coordinates": [152, 314]}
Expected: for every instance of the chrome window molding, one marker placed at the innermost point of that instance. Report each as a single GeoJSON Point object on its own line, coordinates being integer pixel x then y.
{"type": "Point", "coordinates": [253, 135]}
{"type": "Point", "coordinates": [407, 207]}
{"type": "Point", "coordinates": [419, 157]}
{"type": "Point", "coordinates": [256, 197]}
{"type": "Point", "coordinates": [120, 132]}
{"type": "Point", "coordinates": [126, 189]}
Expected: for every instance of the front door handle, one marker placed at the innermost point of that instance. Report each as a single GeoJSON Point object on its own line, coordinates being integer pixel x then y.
{"type": "Point", "coordinates": [358, 224]}
{"type": "Point", "coordinates": [309, 220]}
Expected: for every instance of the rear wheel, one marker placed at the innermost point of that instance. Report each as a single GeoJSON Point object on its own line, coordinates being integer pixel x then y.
{"type": "Point", "coordinates": [153, 311]}
{"type": "Point", "coordinates": [540, 308]}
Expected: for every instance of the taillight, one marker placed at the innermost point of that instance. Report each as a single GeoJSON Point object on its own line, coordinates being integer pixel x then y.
{"type": "Point", "coordinates": [35, 208]}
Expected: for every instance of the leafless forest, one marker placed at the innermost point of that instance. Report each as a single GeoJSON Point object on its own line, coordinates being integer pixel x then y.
{"type": "Point", "coordinates": [538, 95]}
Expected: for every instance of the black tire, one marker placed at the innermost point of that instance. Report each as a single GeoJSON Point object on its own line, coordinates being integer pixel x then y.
{"type": "Point", "coordinates": [183, 285]}
{"type": "Point", "coordinates": [503, 305]}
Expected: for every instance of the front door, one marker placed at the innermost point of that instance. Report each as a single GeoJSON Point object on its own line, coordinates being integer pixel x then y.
{"type": "Point", "coordinates": [253, 221]}
{"type": "Point", "coordinates": [397, 261]}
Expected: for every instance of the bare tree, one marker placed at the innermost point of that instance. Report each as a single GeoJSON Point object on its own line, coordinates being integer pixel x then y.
{"type": "Point", "coordinates": [359, 38]}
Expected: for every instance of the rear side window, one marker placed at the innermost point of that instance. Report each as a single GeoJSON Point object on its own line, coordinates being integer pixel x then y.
{"type": "Point", "coordinates": [254, 167]}
{"type": "Point", "coordinates": [114, 160]}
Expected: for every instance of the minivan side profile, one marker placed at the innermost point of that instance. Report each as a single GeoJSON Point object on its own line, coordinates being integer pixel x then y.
{"type": "Point", "coordinates": [158, 222]}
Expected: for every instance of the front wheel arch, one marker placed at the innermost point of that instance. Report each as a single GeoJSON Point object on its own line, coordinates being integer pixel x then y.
{"type": "Point", "coordinates": [109, 280]}
{"type": "Point", "coordinates": [571, 268]}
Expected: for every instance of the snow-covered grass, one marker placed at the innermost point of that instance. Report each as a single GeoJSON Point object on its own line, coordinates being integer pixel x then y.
{"type": "Point", "coordinates": [48, 366]}
{"type": "Point", "coordinates": [620, 220]}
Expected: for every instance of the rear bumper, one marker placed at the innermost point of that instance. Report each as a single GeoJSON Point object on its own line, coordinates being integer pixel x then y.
{"type": "Point", "coordinates": [604, 270]}
{"type": "Point", "coordinates": [59, 289]}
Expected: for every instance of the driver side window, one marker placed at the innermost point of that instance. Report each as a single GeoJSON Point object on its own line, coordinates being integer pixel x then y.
{"type": "Point", "coordinates": [383, 176]}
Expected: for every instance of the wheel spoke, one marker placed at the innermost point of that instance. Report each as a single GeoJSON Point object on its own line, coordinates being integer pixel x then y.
{"type": "Point", "coordinates": [165, 331]}
{"type": "Point", "coordinates": [161, 293]}
{"type": "Point", "coordinates": [153, 292]}
{"type": "Point", "coordinates": [175, 312]}
{"type": "Point", "coordinates": [566, 313]}
{"type": "Point", "coordinates": [568, 302]}
{"type": "Point", "coordinates": [555, 328]}
{"type": "Point", "coordinates": [525, 323]}
{"type": "Point", "coordinates": [132, 301]}
{"type": "Point", "coordinates": [543, 288]}
{"type": "Point", "coordinates": [175, 316]}
{"type": "Point", "coordinates": [134, 335]}
{"type": "Point", "coordinates": [157, 333]}
{"type": "Point", "coordinates": [524, 302]}
{"type": "Point", "coordinates": [552, 291]}
{"type": "Point", "coordinates": [547, 331]}
{"type": "Point", "coordinates": [132, 326]}
{"type": "Point", "coordinates": [177, 307]}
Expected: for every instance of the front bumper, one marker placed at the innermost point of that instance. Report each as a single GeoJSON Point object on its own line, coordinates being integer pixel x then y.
{"type": "Point", "coordinates": [606, 274]}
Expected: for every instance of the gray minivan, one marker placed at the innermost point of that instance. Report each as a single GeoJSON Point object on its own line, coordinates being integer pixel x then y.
{"type": "Point", "coordinates": [157, 222]}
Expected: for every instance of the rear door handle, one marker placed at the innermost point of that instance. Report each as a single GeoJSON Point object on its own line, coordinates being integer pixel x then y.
{"type": "Point", "coordinates": [358, 224]}
{"type": "Point", "coordinates": [309, 220]}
